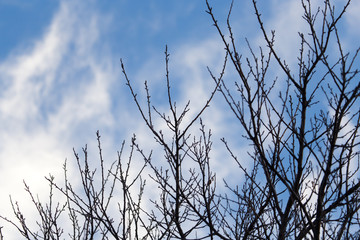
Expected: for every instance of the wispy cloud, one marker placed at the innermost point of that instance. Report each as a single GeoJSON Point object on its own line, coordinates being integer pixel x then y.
{"type": "Point", "coordinates": [53, 92]}
{"type": "Point", "coordinates": [56, 92]}
{"type": "Point", "coordinates": [352, 17]}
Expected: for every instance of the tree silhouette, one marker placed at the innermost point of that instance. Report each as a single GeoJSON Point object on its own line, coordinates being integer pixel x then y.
{"type": "Point", "coordinates": [302, 125]}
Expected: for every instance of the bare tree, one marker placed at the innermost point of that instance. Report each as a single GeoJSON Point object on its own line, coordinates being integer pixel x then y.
{"type": "Point", "coordinates": [89, 208]}
{"type": "Point", "coordinates": [187, 195]}
{"type": "Point", "coordinates": [305, 181]}
{"type": "Point", "coordinates": [303, 129]}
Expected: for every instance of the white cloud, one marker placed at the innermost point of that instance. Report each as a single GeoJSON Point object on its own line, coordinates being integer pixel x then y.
{"type": "Point", "coordinates": [353, 18]}
{"type": "Point", "coordinates": [286, 19]}
{"type": "Point", "coordinates": [53, 92]}
{"type": "Point", "coordinates": [190, 80]}
{"type": "Point", "coordinates": [58, 92]}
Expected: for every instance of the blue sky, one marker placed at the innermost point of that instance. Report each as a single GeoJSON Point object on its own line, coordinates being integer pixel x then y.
{"type": "Point", "coordinates": [61, 80]}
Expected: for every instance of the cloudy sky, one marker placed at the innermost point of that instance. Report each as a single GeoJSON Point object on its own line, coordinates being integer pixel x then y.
{"type": "Point", "coordinates": [61, 81]}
